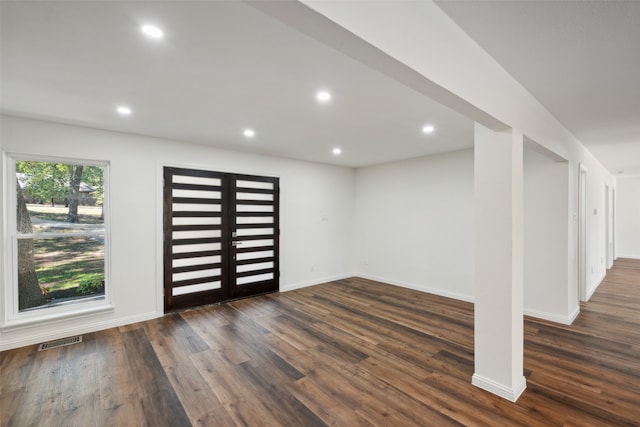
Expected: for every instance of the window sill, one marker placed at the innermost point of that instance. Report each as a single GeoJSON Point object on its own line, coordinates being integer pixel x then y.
{"type": "Point", "coordinates": [76, 313]}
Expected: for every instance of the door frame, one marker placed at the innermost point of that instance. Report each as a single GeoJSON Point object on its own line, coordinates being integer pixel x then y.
{"type": "Point", "coordinates": [613, 226]}
{"type": "Point", "coordinates": [607, 226]}
{"type": "Point", "coordinates": [582, 233]}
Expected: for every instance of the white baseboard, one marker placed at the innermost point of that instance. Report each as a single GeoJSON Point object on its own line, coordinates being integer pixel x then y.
{"type": "Point", "coordinates": [591, 291]}
{"type": "Point", "coordinates": [313, 282]}
{"type": "Point", "coordinates": [556, 318]}
{"type": "Point", "coordinates": [36, 335]}
{"type": "Point", "coordinates": [573, 315]}
{"type": "Point", "coordinates": [422, 288]}
{"type": "Point", "coordinates": [636, 256]}
{"type": "Point", "coordinates": [509, 393]}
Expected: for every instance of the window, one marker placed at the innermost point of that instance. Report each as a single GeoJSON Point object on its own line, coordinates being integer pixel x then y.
{"type": "Point", "coordinates": [59, 236]}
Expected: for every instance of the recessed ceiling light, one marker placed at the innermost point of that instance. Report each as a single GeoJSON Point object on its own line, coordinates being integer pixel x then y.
{"type": "Point", "coordinates": [620, 172]}
{"type": "Point", "coordinates": [428, 129]}
{"type": "Point", "coordinates": [152, 31]}
{"type": "Point", "coordinates": [124, 110]}
{"type": "Point", "coordinates": [249, 133]}
{"type": "Point", "coordinates": [323, 96]}
{"type": "Point", "coordinates": [337, 151]}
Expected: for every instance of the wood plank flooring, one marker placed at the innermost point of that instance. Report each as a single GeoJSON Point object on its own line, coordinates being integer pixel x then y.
{"type": "Point", "coordinates": [346, 353]}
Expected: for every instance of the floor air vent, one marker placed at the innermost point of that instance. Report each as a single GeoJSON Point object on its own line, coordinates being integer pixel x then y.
{"type": "Point", "coordinates": [60, 343]}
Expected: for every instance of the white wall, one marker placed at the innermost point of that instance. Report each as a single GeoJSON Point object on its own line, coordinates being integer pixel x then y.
{"type": "Point", "coordinates": [414, 223]}
{"type": "Point", "coordinates": [414, 227]}
{"type": "Point", "coordinates": [546, 226]}
{"type": "Point", "coordinates": [627, 214]}
{"type": "Point", "coordinates": [308, 241]}
{"type": "Point", "coordinates": [309, 192]}
{"type": "Point", "coordinates": [409, 223]}
{"type": "Point", "coordinates": [421, 38]}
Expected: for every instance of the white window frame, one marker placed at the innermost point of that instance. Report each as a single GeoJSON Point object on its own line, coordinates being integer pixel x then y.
{"type": "Point", "coordinates": [12, 316]}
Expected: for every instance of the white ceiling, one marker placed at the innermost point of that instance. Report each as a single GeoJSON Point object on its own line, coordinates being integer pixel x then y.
{"type": "Point", "coordinates": [222, 67]}
{"type": "Point", "coordinates": [225, 66]}
{"type": "Point", "coordinates": [580, 59]}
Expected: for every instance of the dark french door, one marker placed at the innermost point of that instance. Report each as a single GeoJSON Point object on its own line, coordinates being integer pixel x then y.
{"type": "Point", "coordinates": [221, 236]}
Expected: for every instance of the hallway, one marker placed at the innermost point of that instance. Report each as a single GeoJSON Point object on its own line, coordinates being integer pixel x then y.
{"type": "Point", "coordinates": [346, 353]}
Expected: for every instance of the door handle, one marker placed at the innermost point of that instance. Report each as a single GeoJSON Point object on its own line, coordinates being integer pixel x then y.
{"type": "Point", "coordinates": [236, 243]}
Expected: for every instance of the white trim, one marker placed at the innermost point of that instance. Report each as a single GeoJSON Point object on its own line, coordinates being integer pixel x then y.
{"type": "Point", "coordinates": [564, 320]}
{"type": "Point", "coordinates": [314, 282]}
{"type": "Point", "coordinates": [613, 224]}
{"type": "Point", "coordinates": [5, 243]}
{"type": "Point", "coordinates": [591, 291]}
{"type": "Point", "coordinates": [510, 393]}
{"type": "Point", "coordinates": [75, 310]}
{"type": "Point", "coordinates": [607, 226]}
{"type": "Point", "coordinates": [416, 287]}
{"type": "Point", "coordinates": [574, 314]}
{"type": "Point", "coordinates": [160, 237]}
{"type": "Point", "coordinates": [635, 256]}
{"type": "Point", "coordinates": [12, 317]}
{"type": "Point", "coordinates": [38, 336]}
{"type": "Point", "coordinates": [582, 236]}
{"type": "Point", "coordinates": [217, 167]}
{"type": "Point", "coordinates": [54, 159]}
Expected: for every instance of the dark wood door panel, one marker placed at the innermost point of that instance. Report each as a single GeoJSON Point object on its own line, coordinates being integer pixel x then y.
{"type": "Point", "coordinates": [255, 235]}
{"type": "Point", "coordinates": [221, 236]}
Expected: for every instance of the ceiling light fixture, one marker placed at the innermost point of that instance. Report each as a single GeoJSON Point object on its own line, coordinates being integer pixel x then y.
{"type": "Point", "coordinates": [249, 133]}
{"type": "Point", "coordinates": [337, 151]}
{"type": "Point", "coordinates": [152, 31]}
{"type": "Point", "coordinates": [323, 96]}
{"type": "Point", "coordinates": [123, 110]}
{"type": "Point", "coordinates": [428, 129]}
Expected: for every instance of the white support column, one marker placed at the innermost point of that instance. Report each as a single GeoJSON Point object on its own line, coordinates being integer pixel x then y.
{"type": "Point", "coordinates": [499, 335]}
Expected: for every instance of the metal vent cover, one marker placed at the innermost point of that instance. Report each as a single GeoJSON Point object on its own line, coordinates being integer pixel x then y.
{"type": "Point", "coordinates": [60, 343]}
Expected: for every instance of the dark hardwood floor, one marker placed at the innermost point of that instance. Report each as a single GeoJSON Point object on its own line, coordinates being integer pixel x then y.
{"type": "Point", "coordinates": [346, 353]}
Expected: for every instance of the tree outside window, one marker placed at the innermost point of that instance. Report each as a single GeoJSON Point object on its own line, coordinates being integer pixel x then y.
{"type": "Point", "coordinates": [60, 233]}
